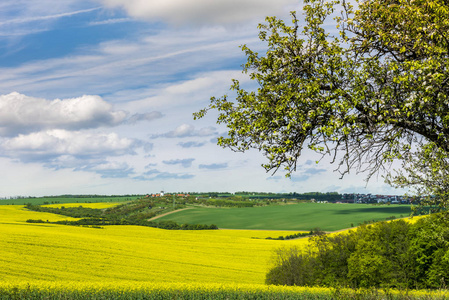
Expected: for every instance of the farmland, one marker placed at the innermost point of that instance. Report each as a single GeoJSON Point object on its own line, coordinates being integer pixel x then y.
{"type": "Point", "coordinates": [121, 262]}
{"type": "Point", "coordinates": [302, 216]}
{"type": "Point", "coordinates": [52, 252]}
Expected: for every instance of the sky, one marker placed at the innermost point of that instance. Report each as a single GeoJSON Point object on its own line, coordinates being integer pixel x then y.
{"type": "Point", "coordinates": [97, 97]}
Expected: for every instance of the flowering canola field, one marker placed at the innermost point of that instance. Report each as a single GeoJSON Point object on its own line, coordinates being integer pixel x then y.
{"type": "Point", "coordinates": [97, 205]}
{"type": "Point", "coordinates": [49, 261]}
{"type": "Point", "coordinates": [50, 252]}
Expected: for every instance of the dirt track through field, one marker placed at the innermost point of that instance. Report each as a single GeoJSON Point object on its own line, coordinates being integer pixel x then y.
{"type": "Point", "coordinates": [168, 213]}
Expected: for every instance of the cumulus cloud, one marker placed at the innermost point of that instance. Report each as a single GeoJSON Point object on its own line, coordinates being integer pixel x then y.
{"type": "Point", "coordinates": [58, 142]}
{"type": "Point", "coordinates": [23, 114]}
{"type": "Point", "coordinates": [183, 162]}
{"type": "Point", "coordinates": [213, 166]}
{"type": "Point", "coordinates": [200, 12]}
{"type": "Point", "coordinates": [187, 130]}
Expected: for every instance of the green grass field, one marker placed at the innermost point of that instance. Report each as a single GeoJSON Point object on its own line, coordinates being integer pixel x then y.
{"type": "Point", "coordinates": [303, 216]}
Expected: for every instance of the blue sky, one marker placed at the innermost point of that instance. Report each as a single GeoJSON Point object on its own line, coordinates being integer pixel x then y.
{"type": "Point", "coordinates": [96, 97]}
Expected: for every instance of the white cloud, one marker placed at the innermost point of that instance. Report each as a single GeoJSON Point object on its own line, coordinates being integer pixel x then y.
{"type": "Point", "coordinates": [23, 114]}
{"type": "Point", "coordinates": [59, 142]}
{"type": "Point", "coordinates": [200, 12]}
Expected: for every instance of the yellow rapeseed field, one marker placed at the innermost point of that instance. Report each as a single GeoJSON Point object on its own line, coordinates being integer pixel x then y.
{"type": "Point", "coordinates": [49, 252]}
{"type": "Point", "coordinates": [48, 261]}
{"type": "Point", "coordinates": [98, 205]}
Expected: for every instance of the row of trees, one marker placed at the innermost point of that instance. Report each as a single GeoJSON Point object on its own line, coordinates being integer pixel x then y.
{"type": "Point", "coordinates": [394, 254]}
{"type": "Point", "coordinates": [137, 212]}
{"type": "Point", "coordinates": [98, 222]}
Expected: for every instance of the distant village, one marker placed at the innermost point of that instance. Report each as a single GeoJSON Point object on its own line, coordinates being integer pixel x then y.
{"type": "Point", "coordinates": [315, 197]}
{"type": "Point", "coordinates": [370, 198]}
{"type": "Point", "coordinates": [319, 197]}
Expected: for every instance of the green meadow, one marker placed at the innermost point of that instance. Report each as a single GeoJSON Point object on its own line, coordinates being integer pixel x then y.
{"type": "Point", "coordinates": [302, 216]}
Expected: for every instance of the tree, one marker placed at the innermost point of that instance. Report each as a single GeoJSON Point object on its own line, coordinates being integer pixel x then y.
{"type": "Point", "coordinates": [373, 90]}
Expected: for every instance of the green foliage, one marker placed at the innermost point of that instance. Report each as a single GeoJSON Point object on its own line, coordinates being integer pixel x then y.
{"type": "Point", "coordinates": [375, 92]}
{"type": "Point", "coordinates": [292, 267]}
{"type": "Point", "coordinates": [74, 212]}
{"type": "Point", "coordinates": [228, 203]}
{"type": "Point", "coordinates": [393, 254]}
{"type": "Point", "coordinates": [292, 236]}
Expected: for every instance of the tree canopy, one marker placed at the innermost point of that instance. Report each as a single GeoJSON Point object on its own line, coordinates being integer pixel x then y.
{"type": "Point", "coordinates": [372, 90]}
{"type": "Point", "coordinates": [395, 254]}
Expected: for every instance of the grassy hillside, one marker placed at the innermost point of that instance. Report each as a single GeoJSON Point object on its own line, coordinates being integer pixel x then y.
{"type": "Point", "coordinates": [302, 216]}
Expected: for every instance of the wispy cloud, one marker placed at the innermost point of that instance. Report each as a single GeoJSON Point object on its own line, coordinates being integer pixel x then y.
{"type": "Point", "coordinates": [275, 178]}
{"type": "Point", "coordinates": [304, 174]}
{"type": "Point", "coordinates": [110, 21]}
{"type": "Point", "coordinates": [314, 171]}
{"type": "Point", "coordinates": [213, 166]}
{"type": "Point", "coordinates": [46, 17]}
{"type": "Point", "coordinates": [155, 174]}
{"type": "Point", "coordinates": [299, 178]}
{"type": "Point", "coordinates": [144, 117]}
{"type": "Point", "coordinates": [187, 130]}
{"type": "Point", "coordinates": [183, 162]}
{"type": "Point", "coordinates": [110, 169]}
{"type": "Point", "coordinates": [191, 144]}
